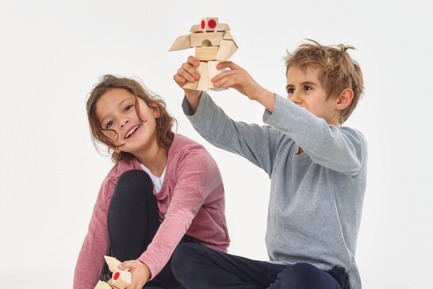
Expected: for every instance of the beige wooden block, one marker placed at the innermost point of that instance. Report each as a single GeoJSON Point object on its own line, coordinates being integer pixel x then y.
{"type": "Point", "coordinates": [206, 39]}
{"type": "Point", "coordinates": [206, 53]}
{"type": "Point", "coordinates": [195, 28]}
{"type": "Point", "coordinates": [102, 285]}
{"type": "Point", "coordinates": [222, 27]}
{"type": "Point", "coordinates": [226, 50]}
{"type": "Point", "coordinates": [203, 83]}
{"type": "Point", "coordinates": [182, 42]}
{"type": "Point", "coordinates": [209, 23]}
{"type": "Point", "coordinates": [212, 72]}
{"type": "Point", "coordinates": [121, 279]}
{"type": "Point", "coordinates": [112, 263]}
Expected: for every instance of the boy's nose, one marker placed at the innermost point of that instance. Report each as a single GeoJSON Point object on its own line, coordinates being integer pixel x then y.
{"type": "Point", "coordinates": [295, 98]}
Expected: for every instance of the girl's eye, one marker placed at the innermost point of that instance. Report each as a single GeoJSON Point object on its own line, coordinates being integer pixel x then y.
{"type": "Point", "coordinates": [128, 107]}
{"type": "Point", "coordinates": [307, 87]}
{"type": "Point", "coordinates": [290, 90]}
{"type": "Point", "coordinates": [108, 124]}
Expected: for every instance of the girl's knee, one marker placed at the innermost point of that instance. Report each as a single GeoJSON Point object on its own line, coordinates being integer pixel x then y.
{"type": "Point", "coordinates": [134, 178]}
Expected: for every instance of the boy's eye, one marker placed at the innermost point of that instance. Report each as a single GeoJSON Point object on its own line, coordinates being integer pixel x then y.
{"type": "Point", "coordinates": [290, 90]}
{"type": "Point", "coordinates": [307, 87]}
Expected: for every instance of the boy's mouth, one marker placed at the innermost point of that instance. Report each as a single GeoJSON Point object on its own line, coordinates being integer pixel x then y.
{"type": "Point", "coordinates": [131, 131]}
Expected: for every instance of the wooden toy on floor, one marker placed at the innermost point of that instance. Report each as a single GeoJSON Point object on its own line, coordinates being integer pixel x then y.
{"type": "Point", "coordinates": [121, 278]}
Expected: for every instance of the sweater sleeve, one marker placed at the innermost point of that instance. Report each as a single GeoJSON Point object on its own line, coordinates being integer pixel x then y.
{"type": "Point", "coordinates": [193, 178]}
{"type": "Point", "coordinates": [338, 148]}
{"type": "Point", "coordinates": [256, 143]}
{"type": "Point", "coordinates": [95, 245]}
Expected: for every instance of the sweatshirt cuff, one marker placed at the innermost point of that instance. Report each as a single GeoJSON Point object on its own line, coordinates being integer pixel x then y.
{"type": "Point", "coordinates": [269, 116]}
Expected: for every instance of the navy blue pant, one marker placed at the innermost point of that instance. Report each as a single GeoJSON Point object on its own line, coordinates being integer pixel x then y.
{"type": "Point", "coordinates": [198, 267]}
{"type": "Point", "coordinates": [133, 221]}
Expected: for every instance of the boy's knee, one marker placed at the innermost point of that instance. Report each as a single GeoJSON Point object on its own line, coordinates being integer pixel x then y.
{"type": "Point", "coordinates": [181, 259]}
{"type": "Point", "coordinates": [301, 276]}
{"type": "Point", "coordinates": [304, 269]}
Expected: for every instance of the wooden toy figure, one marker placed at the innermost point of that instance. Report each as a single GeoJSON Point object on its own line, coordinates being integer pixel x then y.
{"type": "Point", "coordinates": [213, 43]}
{"type": "Point", "coordinates": [121, 278]}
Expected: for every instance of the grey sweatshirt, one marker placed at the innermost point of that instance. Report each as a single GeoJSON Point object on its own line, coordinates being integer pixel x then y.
{"type": "Point", "coordinates": [316, 197]}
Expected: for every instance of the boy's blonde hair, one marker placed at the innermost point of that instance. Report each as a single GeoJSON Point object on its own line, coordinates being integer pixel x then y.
{"type": "Point", "coordinates": [338, 70]}
{"type": "Point", "coordinates": [164, 122]}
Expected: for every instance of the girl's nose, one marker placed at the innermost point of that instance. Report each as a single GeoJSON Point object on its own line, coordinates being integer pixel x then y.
{"type": "Point", "coordinates": [124, 122]}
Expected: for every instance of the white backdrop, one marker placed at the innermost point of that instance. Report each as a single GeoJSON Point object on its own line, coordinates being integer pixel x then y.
{"type": "Point", "coordinates": [53, 52]}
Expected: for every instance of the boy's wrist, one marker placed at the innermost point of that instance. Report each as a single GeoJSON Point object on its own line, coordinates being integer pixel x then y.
{"type": "Point", "coordinates": [267, 99]}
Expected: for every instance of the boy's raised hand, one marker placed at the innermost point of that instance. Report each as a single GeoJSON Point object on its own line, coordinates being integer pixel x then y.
{"type": "Point", "coordinates": [188, 73]}
{"type": "Point", "coordinates": [233, 77]}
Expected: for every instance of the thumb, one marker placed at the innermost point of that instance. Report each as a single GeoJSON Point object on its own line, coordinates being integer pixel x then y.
{"type": "Point", "coordinates": [125, 265]}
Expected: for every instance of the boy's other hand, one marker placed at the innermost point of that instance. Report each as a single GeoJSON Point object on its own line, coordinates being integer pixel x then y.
{"type": "Point", "coordinates": [238, 78]}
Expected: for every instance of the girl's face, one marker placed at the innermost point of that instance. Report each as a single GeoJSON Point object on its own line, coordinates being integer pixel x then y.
{"type": "Point", "coordinates": [304, 89]}
{"type": "Point", "coordinates": [117, 113]}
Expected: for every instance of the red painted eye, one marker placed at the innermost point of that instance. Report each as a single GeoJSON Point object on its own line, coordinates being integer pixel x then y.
{"type": "Point", "coordinates": [203, 24]}
{"type": "Point", "coordinates": [211, 23]}
{"type": "Point", "coordinates": [116, 275]}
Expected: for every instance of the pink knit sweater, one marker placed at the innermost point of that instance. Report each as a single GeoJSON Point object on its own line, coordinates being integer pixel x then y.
{"type": "Point", "coordinates": [191, 201]}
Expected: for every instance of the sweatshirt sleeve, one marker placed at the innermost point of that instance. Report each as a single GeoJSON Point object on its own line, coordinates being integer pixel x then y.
{"type": "Point", "coordinates": [339, 148]}
{"type": "Point", "coordinates": [256, 143]}
{"type": "Point", "coordinates": [193, 178]}
{"type": "Point", "coordinates": [95, 245]}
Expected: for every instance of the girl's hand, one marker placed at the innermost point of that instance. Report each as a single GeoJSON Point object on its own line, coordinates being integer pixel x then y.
{"type": "Point", "coordinates": [140, 273]}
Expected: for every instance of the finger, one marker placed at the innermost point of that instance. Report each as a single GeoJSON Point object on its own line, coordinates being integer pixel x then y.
{"type": "Point", "coordinates": [127, 265]}
{"type": "Point", "coordinates": [184, 75]}
{"type": "Point", "coordinates": [228, 64]}
{"type": "Point", "coordinates": [179, 79]}
{"type": "Point", "coordinates": [223, 77]}
{"type": "Point", "coordinates": [193, 61]}
{"type": "Point", "coordinates": [189, 72]}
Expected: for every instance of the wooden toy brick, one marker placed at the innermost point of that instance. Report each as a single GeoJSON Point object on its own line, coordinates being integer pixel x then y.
{"type": "Point", "coordinates": [213, 43]}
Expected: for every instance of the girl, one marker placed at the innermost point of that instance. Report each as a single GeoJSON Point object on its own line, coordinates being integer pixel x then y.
{"type": "Point", "coordinates": [164, 189]}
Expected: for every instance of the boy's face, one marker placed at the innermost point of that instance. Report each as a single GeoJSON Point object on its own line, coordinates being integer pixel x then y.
{"type": "Point", "coordinates": [304, 89]}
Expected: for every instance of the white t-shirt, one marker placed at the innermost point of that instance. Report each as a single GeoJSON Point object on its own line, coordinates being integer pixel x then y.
{"type": "Point", "coordinates": [157, 182]}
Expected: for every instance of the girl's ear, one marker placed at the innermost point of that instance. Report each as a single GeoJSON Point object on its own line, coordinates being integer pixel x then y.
{"type": "Point", "coordinates": [155, 109]}
{"type": "Point", "coordinates": [345, 98]}
{"type": "Point", "coordinates": [116, 150]}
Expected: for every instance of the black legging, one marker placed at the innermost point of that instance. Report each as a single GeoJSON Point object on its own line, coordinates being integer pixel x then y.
{"type": "Point", "coordinates": [198, 267]}
{"type": "Point", "coordinates": [133, 222]}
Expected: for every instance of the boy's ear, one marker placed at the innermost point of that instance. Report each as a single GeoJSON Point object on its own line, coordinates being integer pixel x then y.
{"type": "Point", "coordinates": [344, 99]}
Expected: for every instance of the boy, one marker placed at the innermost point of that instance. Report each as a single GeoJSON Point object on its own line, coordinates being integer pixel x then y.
{"type": "Point", "coordinates": [317, 169]}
